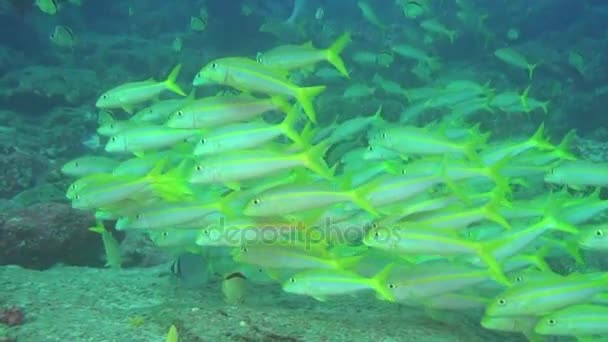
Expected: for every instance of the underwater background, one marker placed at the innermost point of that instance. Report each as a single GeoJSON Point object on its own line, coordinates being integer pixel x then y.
{"type": "Point", "coordinates": [303, 170]}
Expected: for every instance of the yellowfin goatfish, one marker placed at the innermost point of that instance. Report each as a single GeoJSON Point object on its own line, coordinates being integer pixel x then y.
{"type": "Point", "coordinates": [247, 135]}
{"type": "Point", "coordinates": [231, 168]}
{"type": "Point", "coordinates": [47, 6]}
{"type": "Point", "coordinates": [290, 57]}
{"type": "Point", "coordinates": [321, 284]}
{"type": "Point", "coordinates": [62, 36]}
{"type": "Point", "coordinates": [129, 94]}
{"type": "Point", "coordinates": [221, 110]}
{"type": "Point", "coordinates": [579, 173]}
{"type": "Point", "coordinates": [515, 58]}
{"type": "Point", "coordinates": [144, 138]}
{"type": "Point", "coordinates": [581, 320]}
{"type": "Point", "coordinates": [248, 75]}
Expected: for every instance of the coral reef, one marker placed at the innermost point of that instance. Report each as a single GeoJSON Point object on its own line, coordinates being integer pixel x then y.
{"type": "Point", "coordinates": [19, 170]}
{"type": "Point", "coordinates": [42, 235]}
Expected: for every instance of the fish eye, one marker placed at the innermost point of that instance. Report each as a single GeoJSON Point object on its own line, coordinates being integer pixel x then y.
{"type": "Point", "coordinates": [256, 201]}
{"type": "Point", "coordinates": [104, 96]}
{"type": "Point", "coordinates": [199, 168]}
{"type": "Point", "coordinates": [77, 197]}
{"type": "Point", "coordinates": [502, 301]}
{"type": "Point", "coordinates": [599, 233]}
{"type": "Point", "coordinates": [551, 321]}
{"type": "Point", "coordinates": [374, 226]}
{"type": "Point", "coordinates": [292, 280]}
{"type": "Point", "coordinates": [213, 65]}
{"type": "Point", "coordinates": [165, 234]}
{"type": "Point", "coordinates": [519, 279]}
{"type": "Point", "coordinates": [391, 286]}
{"type": "Point", "coordinates": [383, 135]}
{"type": "Point", "coordinates": [203, 141]}
{"type": "Point", "coordinates": [180, 113]}
{"type": "Point", "coordinates": [244, 249]}
{"type": "Point", "coordinates": [370, 148]}
{"type": "Point", "coordinates": [76, 164]}
{"type": "Point", "coordinates": [113, 139]}
{"type": "Point", "coordinates": [112, 126]}
{"type": "Point", "coordinates": [377, 234]}
{"type": "Point", "coordinates": [138, 217]}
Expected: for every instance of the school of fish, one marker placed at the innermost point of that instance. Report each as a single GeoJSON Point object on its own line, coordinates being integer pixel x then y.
{"type": "Point", "coordinates": [439, 215]}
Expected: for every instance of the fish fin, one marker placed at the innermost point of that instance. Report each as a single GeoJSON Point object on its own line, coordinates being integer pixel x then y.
{"type": "Point", "coordinates": [233, 186]}
{"type": "Point", "coordinates": [359, 197]}
{"type": "Point", "coordinates": [172, 335]}
{"type": "Point", "coordinates": [288, 127]}
{"type": "Point", "coordinates": [170, 81]}
{"type": "Point", "coordinates": [313, 159]}
{"type": "Point", "coordinates": [334, 51]}
{"type": "Point", "coordinates": [491, 213]}
{"type": "Point", "coordinates": [379, 283]}
{"type": "Point", "coordinates": [128, 109]}
{"type": "Point", "coordinates": [539, 141]}
{"type": "Point", "coordinates": [305, 96]}
{"type": "Point", "coordinates": [531, 68]}
{"type": "Point", "coordinates": [485, 253]}
{"type": "Point", "coordinates": [282, 104]}
{"type": "Point", "coordinates": [171, 186]}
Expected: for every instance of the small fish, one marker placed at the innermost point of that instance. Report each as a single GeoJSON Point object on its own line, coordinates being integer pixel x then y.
{"type": "Point", "coordinates": [319, 13]}
{"type": "Point", "coordinates": [369, 15]}
{"type": "Point", "coordinates": [580, 320]}
{"type": "Point", "coordinates": [234, 288]}
{"type": "Point", "coordinates": [290, 57]}
{"type": "Point", "coordinates": [132, 93]}
{"type": "Point", "coordinates": [249, 75]}
{"type": "Point", "coordinates": [177, 44]}
{"type": "Point", "coordinates": [50, 7]}
{"type": "Point", "coordinates": [87, 165]}
{"type": "Point", "coordinates": [198, 24]}
{"type": "Point", "coordinates": [63, 36]}
{"type": "Point", "coordinates": [515, 58]}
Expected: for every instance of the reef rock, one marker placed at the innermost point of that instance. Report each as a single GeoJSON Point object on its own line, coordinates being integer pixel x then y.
{"type": "Point", "coordinates": [44, 234]}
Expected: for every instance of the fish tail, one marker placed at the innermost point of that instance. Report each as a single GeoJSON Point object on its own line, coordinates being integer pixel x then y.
{"type": "Point", "coordinates": [172, 185]}
{"type": "Point", "coordinates": [359, 197]}
{"type": "Point", "coordinates": [172, 335]}
{"type": "Point", "coordinates": [545, 106]}
{"type": "Point", "coordinates": [170, 81]}
{"type": "Point", "coordinates": [334, 51]}
{"type": "Point", "coordinates": [313, 159]}
{"type": "Point", "coordinates": [531, 68]}
{"type": "Point", "coordinates": [380, 283]}
{"type": "Point", "coordinates": [494, 266]}
{"type": "Point", "coordinates": [288, 127]}
{"type": "Point", "coordinates": [281, 103]}
{"type": "Point", "coordinates": [305, 95]}
{"type": "Point", "coordinates": [539, 141]}
{"type": "Point", "coordinates": [491, 213]}
{"type": "Point", "coordinates": [494, 172]}
{"type": "Point", "coordinates": [523, 98]}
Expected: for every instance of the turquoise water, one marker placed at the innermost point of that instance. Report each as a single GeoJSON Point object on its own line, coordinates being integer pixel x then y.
{"type": "Point", "coordinates": [445, 158]}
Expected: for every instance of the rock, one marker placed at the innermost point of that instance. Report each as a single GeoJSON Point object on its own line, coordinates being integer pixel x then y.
{"type": "Point", "coordinates": [19, 170]}
{"type": "Point", "coordinates": [44, 234]}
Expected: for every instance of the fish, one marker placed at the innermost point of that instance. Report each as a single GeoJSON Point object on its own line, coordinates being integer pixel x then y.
{"type": "Point", "coordinates": [515, 58]}
{"type": "Point", "coordinates": [88, 165]}
{"type": "Point", "coordinates": [63, 36]}
{"type": "Point", "coordinates": [110, 246]}
{"type": "Point", "coordinates": [232, 168]}
{"type": "Point", "coordinates": [211, 112]}
{"type": "Point", "coordinates": [434, 26]}
{"type": "Point", "coordinates": [198, 24]}
{"type": "Point", "coordinates": [234, 288]}
{"type": "Point", "coordinates": [321, 284]}
{"type": "Point", "coordinates": [580, 320]}
{"type": "Point", "coordinates": [289, 57]}
{"type": "Point", "coordinates": [50, 7]}
{"type": "Point", "coordinates": [249, 75]}
{"type": "Point", "coordinates": [248, 135]}
{"type": "Point", "coordinates": [370, 16]}
{"type": "Point", "coordinates": [129, 94]}
{"type": "Point", "coordinates": [139, 139]}
{"type": "Point", "coordinates": [579, 173]}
